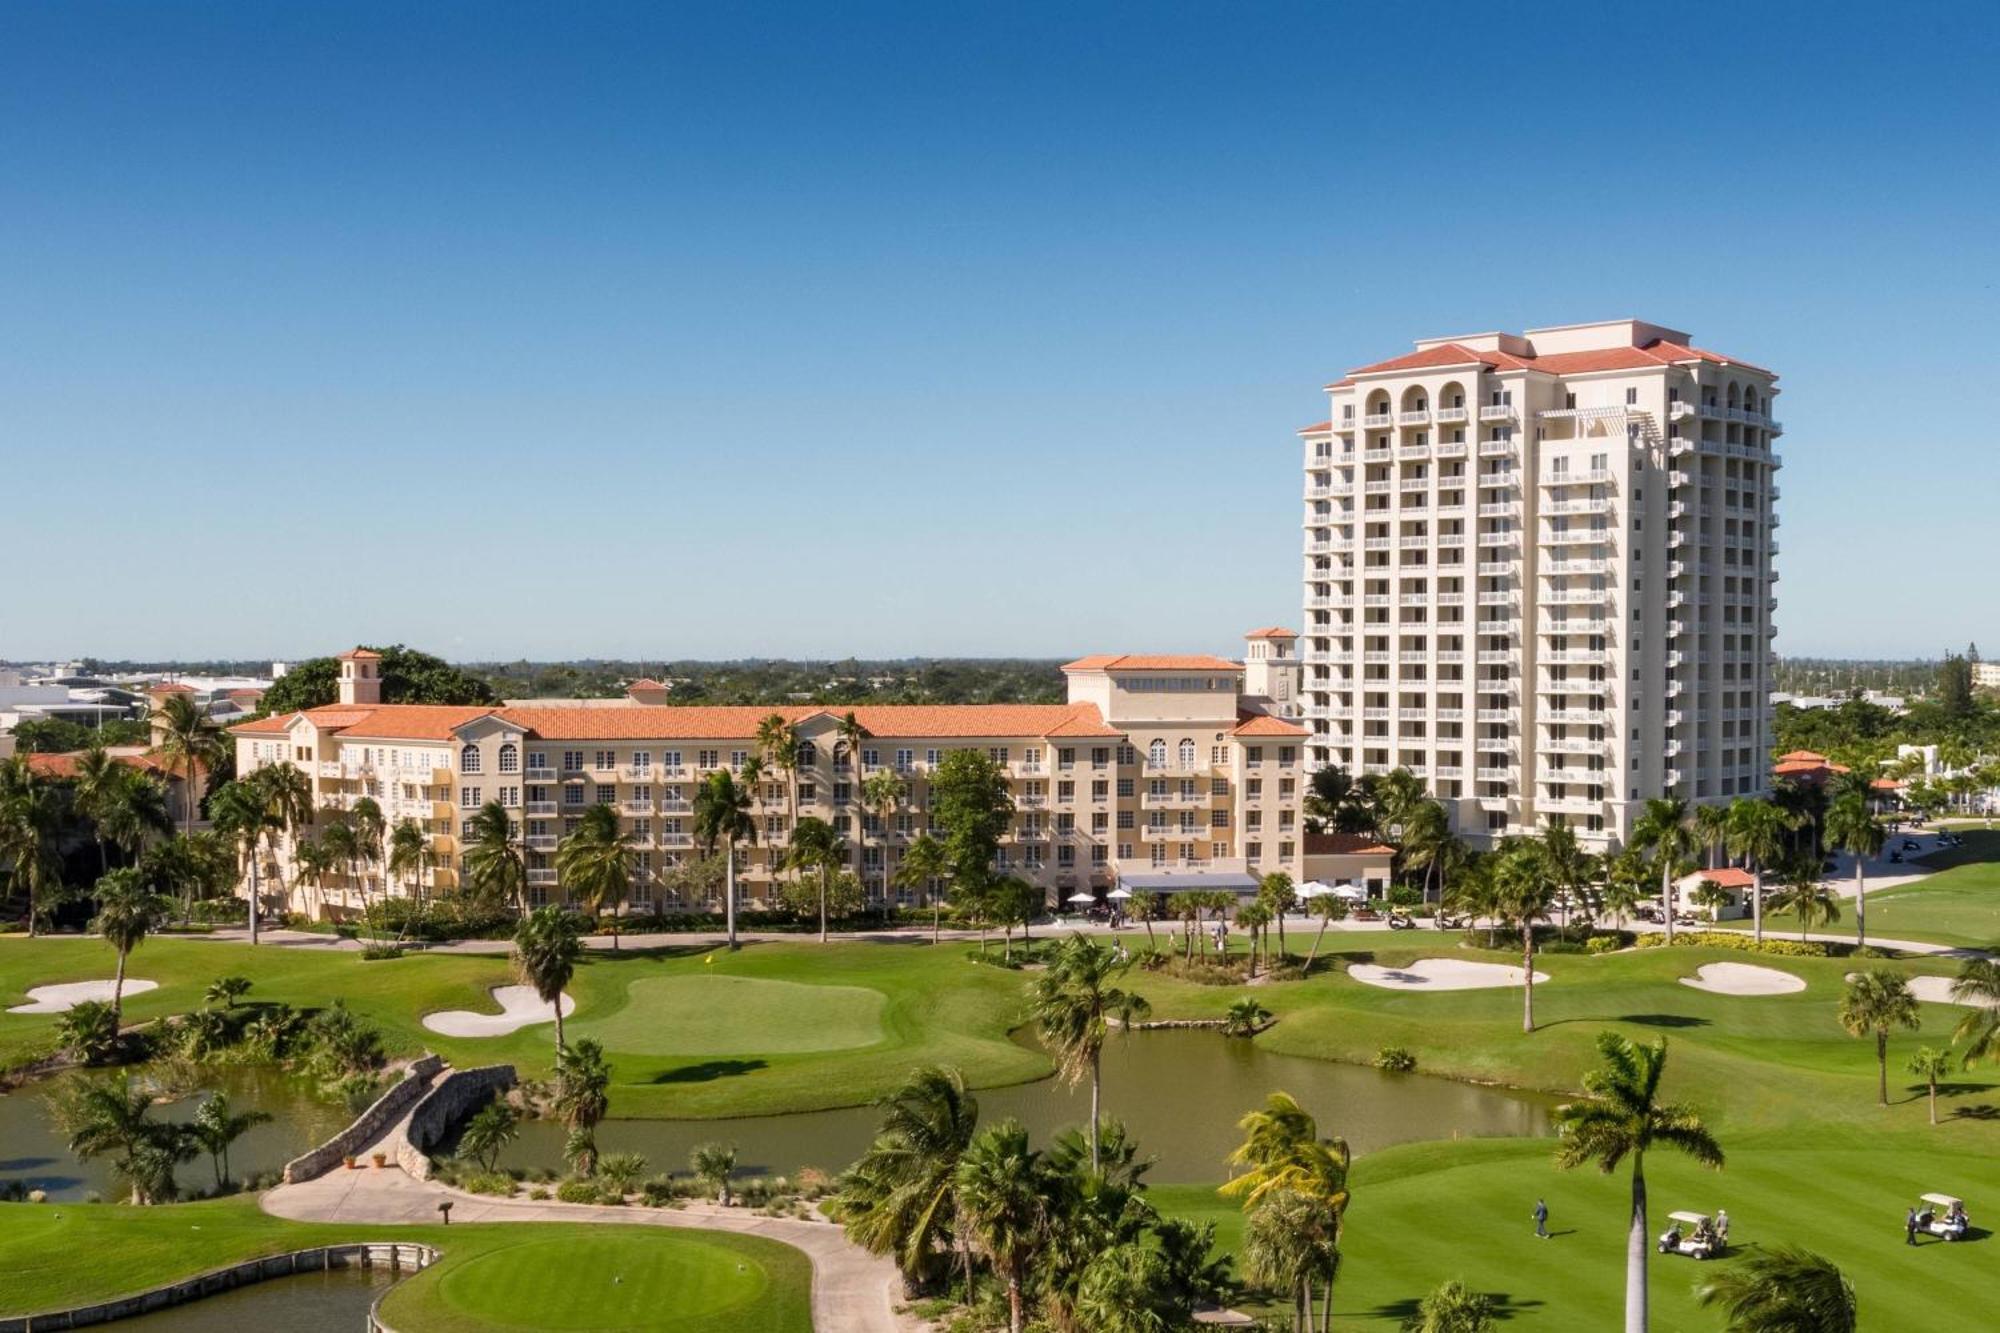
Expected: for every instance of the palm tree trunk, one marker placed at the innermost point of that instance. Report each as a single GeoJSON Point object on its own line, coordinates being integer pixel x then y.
{"type": "Point", "coordinates": [1096, 1086]}
{"type": "Point", "coordinates": [823, 872]}
{"type": "Point", "coordinates": [1317, 940]}
{"type": "Point", "coordinates": [1933, 1099]}
{"type": "Point", "coordinates": [561, 1045]}
{"type": "Point", "coordinates": [1882, 1065]}
{"type": "Point", "coordinates": [118, 990]}
{"type": "Point", "coordinates": [1667, 893]}
{"type": "Point", "coordinates": [1757, 903]}
{"type": "Point", "coordinates": [253, 891]}
{"type": "Point", "coordinates": [1636, 1239]}
{"type": "Point", "coordinates": [1860, 903]}
{"type": "Point", "coordinates": [1527, 976]}
{"type": "Point", "coordinates": [1013, 1303]}
{"type": "Point", "coordinates": [729, 894]}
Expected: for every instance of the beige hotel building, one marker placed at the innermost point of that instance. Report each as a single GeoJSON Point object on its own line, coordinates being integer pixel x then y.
{"type": "Point", "coordinates": [1538, 574]}
{"type": "Point", "coordinates": [1159, 772]}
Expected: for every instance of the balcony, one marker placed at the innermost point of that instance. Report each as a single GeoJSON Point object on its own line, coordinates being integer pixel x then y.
{"type": "Point", "coordinates": [1499, 509]}
{"type": "Point", "coordinates": [1451, 540]}
{"type": "Point", "coordinates": [540, 842]}
{"type": "Point", "coordinates": [1497, 412]}
{"type": "Point", "coordinates": [1560, 568]}
{"type": "Point", "coordinates": [1577, 537]}
{"type": "Point", "coordinates": [441, 809]}
{"type": "Point", "coordinates": [1375, 420]}
{"type": "Point", "coordinates": [636, 773]}
{"type": "Point", "coordinates": [1417, 418]}
{"type": "Point", "coordinates": [1453, 449]}
{"type": "Point", "coordinates": [1486, 774]}
{"type": "Point", "coordinates": [1570, 745]}
{"type": "Point", "coordinates": [539, 809]}
{"type": "Point", "coordinates": [1596, 506]}
{"type": "Point", "coordinates": [1378, 487]}
{"type": "Point", "coordinates": [1413, 451]}
{"type": "Point", "coordinates": [635, 808]}
{"type": "Point", "coordinates": [1575, 657]}
{"type": "Point", "coordinates": [1596, 476]}
{"type": "Point", "coordinates": [1590, 717]}
{"type": "Point", "coordinates": [1377, 657]}
{"type": "Point", "coordinates": [1568, 805]}
{"type": "Point", "coordinates": [1496, 599]}
{"type": "Point", "coordinates": [541, 876]}
{"type": "Point", "coordinates": [1494, 568]}
{"type": "Point", "coordinates": [1498, 538]}
{"type": "Point", "coordinates": [542, 775]}
{"type": "Point", "coordinates": [1495, 656]}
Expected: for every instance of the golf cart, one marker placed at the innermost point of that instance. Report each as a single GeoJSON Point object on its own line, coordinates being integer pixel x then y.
{"type": "Point", "coordinates": [1401, 920]}
{"type": "Point", "coordinates": [1692, 1234]}
{"type": "Point", "coordinates": [1944, 1216]}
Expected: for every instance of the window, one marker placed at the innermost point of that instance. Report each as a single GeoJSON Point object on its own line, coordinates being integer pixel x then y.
{"type": "Point", "coordinates": [606, 759]}
{"type": "Point", "coordinates": [871, 758]}
{"type": "Point", "coordinates": [808, 755]}
{"type": "Point", "coordinates": [606, 793]}
{"type": "Point", "coordinates": [572, 761]}
{"type": "Point", "coordinates": [1631, 397]}
{"type": "Point", "coordinates": [510, 758]}
{"type": "Point", "coordinates": [1156, 754]}
{"type": "Point", "coordinates": [469, 798]}
{"type": "Point", "coordinates": [468, 759]}
{"type": "Point", "coordinates": [708, 759]}
{"type": "Point", "coordinates": [906, 761]}
{"type": "Point", "coordinates": [573, 794]}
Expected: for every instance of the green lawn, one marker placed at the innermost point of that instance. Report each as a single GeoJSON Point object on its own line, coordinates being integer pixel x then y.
{"type": "Point", "coordinates": [1959, 905]}
{"type": "Point", "coordinates": [57, 1256]}
{"type": "Point", "coordinates": [730, 1015]}
{"type": "Point", "coordinates": [609, 1278]}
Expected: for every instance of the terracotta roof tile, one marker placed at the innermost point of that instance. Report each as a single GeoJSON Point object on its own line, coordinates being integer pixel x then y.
{"type": "Point", "coordinates": [885, 721]}
{"type": "Point", "coordinates": [1150, 662]}
{"type": "Point", "coordinates": [1659, 352]}
{"type": "Point", "coordinates": [359, 655]}
{"type": "Point", "coordinates": [1344, 844]}
{"type": "Point", "coordinates": [1317, 428]}
{"type": "Point", "coordinates": [171, 687]}
{"type": "Point", "coordinates": [1272, 632]}
{"type": "Point", "coordinates": [1263, 724]}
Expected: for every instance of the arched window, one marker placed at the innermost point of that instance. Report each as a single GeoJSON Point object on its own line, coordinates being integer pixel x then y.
{"type": "Point", "coordinates": [1187, 753]}
{"type": "Point", "coordinates": [510, 758]}
{"type": "Point", "coordinates": [468, 759]}
{"type": "Point", "coordinates": [1156, 753]}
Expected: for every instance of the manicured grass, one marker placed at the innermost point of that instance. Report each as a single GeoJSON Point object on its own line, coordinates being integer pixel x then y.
{"type": "Point", "coordinates": [604, 1278]}
{"type": "Point", "coordinates": [61, 1255]}
{"type": "Point", "coordinates": [728, 1015]}
{"type": "Point", "coordinates": [1959, 905]}
{"type": "Point", "coordinates": [1428, 1212]}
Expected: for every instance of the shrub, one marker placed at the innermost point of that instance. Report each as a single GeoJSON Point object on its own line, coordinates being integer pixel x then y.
{"type": "Point", "coordinates": [1396, 1059]}
{"type": "Point", "coordinates": [1405, 895]}
{"type": "Point", "coordinates": [1604, 944]}
{"type": "Point", "coordinates": [579, 1191]}
{"type": "Point", "coordinates": [378, 952]}
{"type": "Point", "coordinates": [89, 1031]}
{"type": "Point", "coordinates": [487, 1182]}
{"type": "Point", "coordinates": [1729, 939]}
{"type": "Point", "coordinates": [620, 1171]}
{"type": "Point", "coordinates": [538, 1194]}
{"type": "Point", "coordinates": [1561, 946]}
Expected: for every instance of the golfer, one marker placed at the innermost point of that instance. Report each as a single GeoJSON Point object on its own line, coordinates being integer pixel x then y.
{"type": "Point", "coordinates": [1542, 1219]}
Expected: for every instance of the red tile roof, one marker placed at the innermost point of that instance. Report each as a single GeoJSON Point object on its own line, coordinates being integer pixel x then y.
{"type": "Point", "coordinates": [1317, 428]}
{"type": "Point", "coordinates": [1263, 724]}
{"type": "Point", "coordinates": [1150, 662]}
{"type": "Point", "coordinates": [1801, 757]}
{"type": "Point", "coordinates": [1345, 844]}
{"type": "Point", "coordinates": [64, 765]}
{"type": "Point", "coordinates": [360, 655]}
{"type": "Point", "coordinates": [1659, 352]}
{"type": "Point", "coordinates": [1726, 877]}
{"type": "Point", "coordinates": [1272, 632]}
{"type": "Point", "coordinates": [171, 687]}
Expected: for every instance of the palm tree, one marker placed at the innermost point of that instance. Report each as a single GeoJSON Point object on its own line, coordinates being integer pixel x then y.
{"type": "Point", "coordinates": [369, 830]}
{"type": "Point", "coordinates": [1521, 895]}
{"type": "Point", "coordinates": [714, 1163]}
{"type": "Point", "coordinates": [1757, 831]}
{"type": "Point", "coordinates": [1569, 870]}
{"type": "Point", "coordinates": [582, 1096]}
{"type": "Point", "coordinates": [189, 738]}
{"type": "Point", "coordinates": [216, 1126]}
{"type": "Point", "coordinates": [778, 744]}
{"type": "Point", "coordinates": [1978, 985]}
{"type": "Point", "coordinates": [1336, 803]}
{"type": "Point", "coordinates": [409, 858]}
{"type": "Point", "coordinates": [882, 794]}
{"type": "Point", "coordinates": [31, 823]}
{"type": "Point", "coordinates": [1074, 1000]}
{"type": "Point", "coordinates": [1930, 1064]}
{"type": "Point", "coordinates": [316, 861]}
{"type": "Point", "coordinates": [242, 814]}
{"type": "Point", "coordinates": [597, 862]}
{"type": "Point", "coordinates": [288, 792]}
{"type": "Point", "coordinates": [548, 944]}
{"type": "Point", "coordinates": [900, 1198]}
{"type": "Point", "coordinates": [1710, 895]}
{"type": "Point", "coordinates": [135, 813]}
{"type": "Point", "coordinates": [1002, 1195]}
{"type": "Point", "coordinates": [1253, 917]}
{"type": "Point", "coordinates": [1243, 1018]}
{"type": "Point", "coordinates": [1666, 829]}
{"type": "Point", "coordinates": [495, 869]}
{"type": "Point", "coordinates": [722, 814]}
{"type": "Point", "coordinates": [817, 846]}
{"type": "Point", "coordinates": [489, 1131]}
{"type": "Point", "coordinates": [1425, 838]}
{"type": "Point", "coordinates": [1290, 1242]}
{"type": "Point", "coordinates": [107, 1118]}
{"type": "Point", "coordinates": [848, 734]}
{"type": "Point", "coordinates": [1852, 827]}
{"type": "Point", "coordinates": [1283, 1155]}
{"type": "Point", "coordinates": [1806, 895]}
{"type": "Point", "coordinates": [127, 912]}
{"type": "Point", "coordinates": [1327, 907]}
{"type": "Point", "coordinates": [94, 788]}
{"type": "Point", "coordinates": [1453, 1307]}
{"type": "Point", "coordinates": [1874, 1002]}
{"type": "Point", "coordinates": [343, 848]}
{"type": "Point", "coordinates": [1623, 1117]}
{"type": "Point", "coordinates": [1782, 1290]}
{"type": "Point", "coordinates": [923, 862]}
{"type": "Point", "coordinates": [1275, 895]}
{"type": "Point", "coordinates": [1711, 829]}
{"type": "Point", "coordinates": [226, 991]}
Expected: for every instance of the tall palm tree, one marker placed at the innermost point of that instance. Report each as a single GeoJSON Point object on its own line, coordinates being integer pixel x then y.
{"type": "Point", "coordinates": [1757, 831]}
{"type": "Point", "coordinates": [31, 825]}
{"type": "Point", "coordinates": [1424, 837]}
{"type": "Point", "coordinates": [722, 814]}
{"type": "Point", "coordinates": [343, 844]}
{"type": "Point", "coordinates": [1668, 831]}
{"type": "Point", "coordinates": [135, 814]}
{"type": "Point", "coordinates": [1283, 1156]}
{"type": "Point", "coordinates": [1806, 895]}
{"type": "Point", "coordinates": [1930, 1064]}
{"type": "Point", "coordinates": [316, 863]}
{"type": "Point", "coordinates": [923, 862]}
{"type": "Point", "coordinates": [1978, 985]}
{"type": "Point", "coordinates": [900, 1198]}
{"type": "Point", "coordinates": [1711, 829]}
{"type": "Point", "coordinates": [583, 1095]}
{"type": "Point", "coordinates": [1005, 1206]}
{"type": "Point", "coordinates": [848, 734]}
{"type": "Point", "coordinates": [242, 814]}
{"type": "Point", "coordinates": [1874, 1002]}
{"type": "Point", "coordinates": [108, 1118]}
{"type": "Point", "coordinates": [1074, 1000]}
{"type": "Point", "coordinates": [778, 744]}
{"type": "Point", "coordinates": [495, 869]}
{"type": "Point", "coordinates": [1291, 1242]}
{"type": "Point", "coordinates": [370, 828]}
{"type": "Point", "coordinates": [409, 858]}
{"type": "Point", "coordinates": [882, 794]}
{"type": "Point", "coordinates": [817, 847]}
{"type": "Point", "coordinates": [1852, 827]}
{"type": "Point", "coordinates": [1327, 907]}
{"type": "Point", "coordinates": [1522, 892]}
{"type": "Point", "coordinates": [190, 739]}
{"type": "Point", "coordinates": [1782, 1289]}
{"type": "Point", "coordinates": [597, 862]}
{"type": "Point", "coordinates": [1622, 1116]}
{"type": "Point", "coordinates": [216, 1126]}
{"type": "Point", "coordinates": [94, 788]}
{"type": "Point", "coordinates": [127, 912]}
{"type": "Point", "coordinates": [1275, 893]}
{"type": "Point", "coordinates": [548, 944]}
{"type": "Point", "coordinates": [1336, 803]}
{"type": "Point", "coordinates": [289, 793]}
{"type": "Point", "coordinates": [1569, 869]}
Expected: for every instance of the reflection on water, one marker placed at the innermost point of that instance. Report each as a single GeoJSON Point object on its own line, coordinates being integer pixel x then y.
{"type": "Point", "coordinates": [1179, 1092]}
{"type": "Point", "coordinates": [33, 1152]}
{"type": "Point", "coordinates": [336, 1301]}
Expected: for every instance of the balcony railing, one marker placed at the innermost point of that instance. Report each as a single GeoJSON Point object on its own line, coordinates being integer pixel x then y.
{"type": "Point", "coordinates": [1449, 415]}
{"type": "Point", "coordinates": [1497, 412]}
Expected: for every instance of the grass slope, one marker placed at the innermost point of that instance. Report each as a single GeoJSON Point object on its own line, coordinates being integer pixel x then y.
{"type": "Point", "coordinates": [729, 1015]}
{"type": "Point", "coordinates": [1959, 905]}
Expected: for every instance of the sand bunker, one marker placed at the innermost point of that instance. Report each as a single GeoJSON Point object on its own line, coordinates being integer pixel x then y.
{"type": "Point", "coordinates": [1441, 974]}
{"type": "Point", "coordinates": [1937, 990]}
{"type": "Point", "coordinates": [520, 1007]}
{"type": "Point", "coordinates": [59, 999]}
{"type": "Point", "coordinates": [1743, 979]}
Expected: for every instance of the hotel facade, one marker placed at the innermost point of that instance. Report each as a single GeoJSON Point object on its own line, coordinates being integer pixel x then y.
{"type": "Point", "coordinates": [1538, 574]}
{"type": "Point", "coordinates": [1158, 772]}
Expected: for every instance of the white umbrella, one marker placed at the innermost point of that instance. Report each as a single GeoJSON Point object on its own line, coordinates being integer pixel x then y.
{"type": "Point", "coordinates": [1312, 888]}
{"type": "Point", "coordinates": [1350, 891]}
{"type": "Point", "coordinates": [1119, 893]}
{"type": "Point", "coordinates": [1083, 897]}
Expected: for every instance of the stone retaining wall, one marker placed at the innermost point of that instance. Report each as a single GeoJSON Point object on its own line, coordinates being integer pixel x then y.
{"type": "Point", "coordinates": [369, 1125]}
{"type": "Point", "coordinates": [397, 1258]}
{"type": "Point", "coordinates": [455, 1096]}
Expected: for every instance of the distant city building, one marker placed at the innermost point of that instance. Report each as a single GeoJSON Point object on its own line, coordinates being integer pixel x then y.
{"type": "Point", "coordinates": [1160, 773]}
{"type": "Point", "coordinates": [1986, 675]}
{"type": "Point", "coordinates": [1538, 574]}
{"type": "Point", "coordinates": [1895, 703]}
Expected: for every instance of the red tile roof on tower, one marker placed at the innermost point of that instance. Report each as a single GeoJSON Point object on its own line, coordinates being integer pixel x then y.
{"type": "Point", "coordinates": [1344, 844]}
{"type": "Point", "coordinates": [1802, 757]}
{"type": "Point", "coordinates": [1263, 724]}
{"type": "Point", "coordinates": [1272, 632]}
{"type": "Point", "coordinates": [645, 683]}
{"type": "Point", "coordinates": [359, 654]}
{"type": "Point", "coordinates": [1317, 428]}
{"type": "Point", "coordinates": [1150, 662]}
{"type": "Point", "coordinates": [1658, 352]}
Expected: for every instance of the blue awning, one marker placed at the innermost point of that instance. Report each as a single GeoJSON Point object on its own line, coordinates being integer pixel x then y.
{"type": "Point", "coordinates": [1231, 881]}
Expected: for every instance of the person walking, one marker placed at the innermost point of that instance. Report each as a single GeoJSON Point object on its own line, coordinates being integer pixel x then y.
{"type": "Point", "coordinates": [1542, 1219]}
{"type": "Point", "coordinates": [1722, 1227]}
{"type": "Point", "coordinates": [1910, 1228]}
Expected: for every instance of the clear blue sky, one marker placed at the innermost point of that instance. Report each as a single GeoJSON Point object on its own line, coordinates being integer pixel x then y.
{"type": "Point", "coordinates": [586, 330]}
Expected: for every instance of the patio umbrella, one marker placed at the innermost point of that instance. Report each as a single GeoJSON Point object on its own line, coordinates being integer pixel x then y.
{"type": "Point", "coordinates": [1352, 892]}
{"type": "Point", "coordinates": [1119, 893]}
{"type": "Point", "coordinates": [1083, 897]}
{"type": "Point", "coordinates": [1311, 889]}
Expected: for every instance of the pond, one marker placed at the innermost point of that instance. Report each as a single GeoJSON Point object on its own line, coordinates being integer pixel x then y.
{"type": "Point", "coordinates": [1180, 1093]}
{"type": "Point", "coordinates": [335, 1301]}
{"type": "Point", "coordinates": [33, 1152]}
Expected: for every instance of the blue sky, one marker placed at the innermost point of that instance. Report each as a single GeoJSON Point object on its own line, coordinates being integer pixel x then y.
{"type": "Point", "coordinates": [589, 330]}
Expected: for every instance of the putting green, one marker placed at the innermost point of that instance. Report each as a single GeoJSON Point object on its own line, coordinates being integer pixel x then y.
{"type": "Point", "coordinates": [727, 1015]}
{"type": "Point", "coordinates": [602, 1279]}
